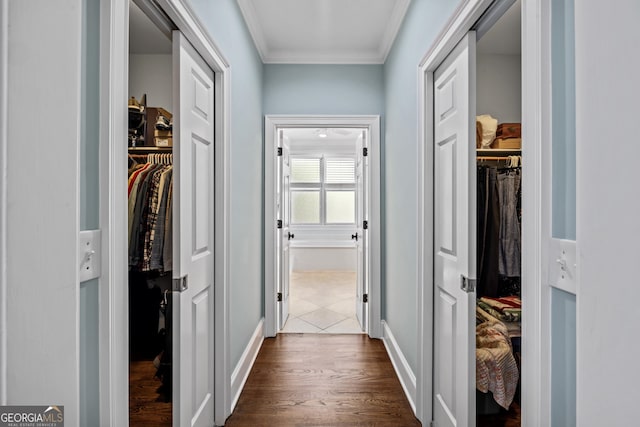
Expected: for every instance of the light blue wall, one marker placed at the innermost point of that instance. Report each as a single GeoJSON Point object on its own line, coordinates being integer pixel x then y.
{"type": "Point", "coordinates": [223, 20]}
{"type": "Point", "coordinates": [89, 208]}
{"type": "Point", "coordinates": [563, 305]}
{"type": "Point", "coordinates": [563, 359]}
{"type": "Point", "coordinates": [323, 89]}
{"type": "Point", "coordinates": [563, 98]}
{"type": "Point", "coordinates": [422, 23]}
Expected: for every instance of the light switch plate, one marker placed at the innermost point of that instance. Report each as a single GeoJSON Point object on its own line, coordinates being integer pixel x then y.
{"type": "Point", "coordinates": [89, 255]}
{"type": "Point", "coordinates": [562, 265]}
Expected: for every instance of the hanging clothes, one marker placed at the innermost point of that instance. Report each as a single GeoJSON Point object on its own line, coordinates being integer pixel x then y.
{"type": "Point", "coordinates": [498, 234]}
{"type": "Point", "coordinates": [488, 231]}
{"type": "Point", "coordinates": [508, 190]}
{"type": "Point", "coordinates": [149, 190]}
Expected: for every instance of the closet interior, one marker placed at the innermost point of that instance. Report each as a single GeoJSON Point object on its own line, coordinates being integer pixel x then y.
{"type": "Point", "coordinates": [499, 214]}
{"type": "Point", "coordinates": [150, 227]}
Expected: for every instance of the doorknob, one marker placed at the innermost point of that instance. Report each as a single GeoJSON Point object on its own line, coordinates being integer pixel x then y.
{"type": "Point", "coordinates": [354, 237]}
{"type": "Point", "coordinates": [290, 235]}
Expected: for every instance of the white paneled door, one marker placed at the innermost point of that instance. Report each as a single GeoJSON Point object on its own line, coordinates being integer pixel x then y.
{"type": "Point", "coordinates": [455, 237]}
{"type": "Point", "coordinates": [193, 251]}
{"type": "Point", "coordinates": [361, 235]}
{"type": "Point", "coordinates": [285, 235]}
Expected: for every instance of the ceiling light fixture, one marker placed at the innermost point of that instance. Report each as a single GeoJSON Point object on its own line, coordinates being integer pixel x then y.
{"type": "Point", "coordinates": [322, 133]}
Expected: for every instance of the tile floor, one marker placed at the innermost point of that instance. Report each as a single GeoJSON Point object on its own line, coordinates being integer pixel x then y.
{"type": "Point", "coordinates": [323, 302]}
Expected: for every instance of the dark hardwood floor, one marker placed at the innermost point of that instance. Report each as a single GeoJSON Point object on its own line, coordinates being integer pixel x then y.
{"type": "Point", "coordinates": [504, 418]}
{"type": "Point", "coordinates": [322, 380]}
{"type": "Point", "coordinates": [147, 407]}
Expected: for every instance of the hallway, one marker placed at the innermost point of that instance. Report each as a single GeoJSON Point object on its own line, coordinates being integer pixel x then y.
{"type": "Point", "coordinates": [322, 379]}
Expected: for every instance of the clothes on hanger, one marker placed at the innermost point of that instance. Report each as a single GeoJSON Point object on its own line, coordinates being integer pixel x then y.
{"type": "Point", "coordinates": [498, 233]}
{"type": "Point", "coordinates": [150, 207]}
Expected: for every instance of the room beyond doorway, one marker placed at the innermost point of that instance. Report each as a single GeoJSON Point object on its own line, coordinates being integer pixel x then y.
{"type": "Point", "coordinates": [323, 302]}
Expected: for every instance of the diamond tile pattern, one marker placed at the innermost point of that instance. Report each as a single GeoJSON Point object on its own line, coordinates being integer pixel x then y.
{"type": "Point", "coordinates": [323, 302]}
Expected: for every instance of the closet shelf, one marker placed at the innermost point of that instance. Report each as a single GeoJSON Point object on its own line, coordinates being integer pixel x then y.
{"type": "Point", "coordinates": [144, 149]}
{"type": "Point", "coordinates": [497, 152]}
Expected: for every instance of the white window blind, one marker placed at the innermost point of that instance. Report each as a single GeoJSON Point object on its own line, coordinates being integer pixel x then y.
{"type": "Point", "coordinates": [340, 171]}
{"type": "Point", "coordinates": [305, 171]}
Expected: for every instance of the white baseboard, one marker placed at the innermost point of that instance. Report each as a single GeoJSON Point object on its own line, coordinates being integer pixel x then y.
{"type": "Point", "coordinates": [243, 368]}
{"type": "Point", "coordinates": [403, 370]}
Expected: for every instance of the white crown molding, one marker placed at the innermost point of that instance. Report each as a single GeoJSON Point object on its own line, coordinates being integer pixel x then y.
{"type": "Point", "coordinates": [297, 56]}
{"type": "Point", "coordinates": [255, 29]}
{"type": "Point", "coordinates": [395, 22]}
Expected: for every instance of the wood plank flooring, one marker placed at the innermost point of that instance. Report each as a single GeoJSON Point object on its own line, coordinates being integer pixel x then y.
{"type": "Point", "coordinates": [322, 380]}
{"type": "Point", "coordinates": [147, 407]}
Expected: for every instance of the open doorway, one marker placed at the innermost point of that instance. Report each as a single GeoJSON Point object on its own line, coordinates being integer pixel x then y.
{"type": "Point", "coordinates": [322, 206]}
{"type": "Point", "coordinates": [320, 171]}
{"type": "Point", "coordinates": [171, 217]}
{"type": "Point", "coordinates": [150, 170]}
{"type": "Point", "coordinates": [499, 306]}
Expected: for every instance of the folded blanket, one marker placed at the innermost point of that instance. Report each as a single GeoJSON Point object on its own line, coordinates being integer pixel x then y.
{"type": "Point", "coordinates": [508, 314]}
{"type": "Point", "coordinates": [496, 368]}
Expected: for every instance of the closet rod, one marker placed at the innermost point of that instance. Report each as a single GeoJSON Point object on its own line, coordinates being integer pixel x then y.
{"type": "Point", "coordinates": [161, 149]}
{"type": "Point", "coordinates": [492, 158]}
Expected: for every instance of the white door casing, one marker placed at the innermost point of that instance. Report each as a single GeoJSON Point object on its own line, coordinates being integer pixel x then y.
{"type": "Point", "coordinates": [535, 119]}
{"type": "Point", "coordinates": [361, 234]}
{"type": "Point", "coordinates": [284, 214]}
{"type": "Point", "coordinates": [455, 237]}
{"type": "Point", "coordinates": [4, 63]}
{"type": "Point", "coordinates": [114, 404]}
{"type": "Point", "coordinates": [272, 126]}
{"type": "Point", "coordinates": [193, 193]}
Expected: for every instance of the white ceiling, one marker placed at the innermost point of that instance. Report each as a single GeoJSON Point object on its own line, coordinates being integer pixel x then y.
{"type": "Point", "coordinates": [337, 140]}
{"type": "Point", "coordinates": [504, 37]}
{"type": "Point", "coordinates": [324, 31]}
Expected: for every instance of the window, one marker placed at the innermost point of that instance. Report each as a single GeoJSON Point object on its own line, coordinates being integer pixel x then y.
{"type": "Point", "coordinates": [323, 191]}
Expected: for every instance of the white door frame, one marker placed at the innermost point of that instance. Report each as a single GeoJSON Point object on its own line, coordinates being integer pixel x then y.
{"type": "Point", "coordinates": [4, 82]}
{"type": "Point", "coordinates": [271, 126]}
{"type": "Point", "coordinates": [114, 320]}
{"type": "Point", "coordinates": [535, 117]}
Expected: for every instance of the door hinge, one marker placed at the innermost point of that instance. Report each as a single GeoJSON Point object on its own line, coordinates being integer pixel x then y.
{"type": "Point", "coordinates": [365, 225]}
{"type": "Point", "coordinates": [180, 284]}
{"type": "Point", "coordinates": [432, 424]}
{"type": "Point", "coordinates": [279, 223]}
{"type": "Point", "coordinates": [279, 296]}
{"type": "Point", "coordinates": [467, 285]}
{"type": "Point", "coordinates": [279, 151]}
{"type": "Point", "coordinates": [365, 297]}
{"type": "Point", "coordinates": [365, 151]}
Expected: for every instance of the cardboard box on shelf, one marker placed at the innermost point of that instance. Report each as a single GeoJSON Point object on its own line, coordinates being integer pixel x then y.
{"type": "Point", "coordinates": [152, 118]}
{"type": "Point", "coordinates": [507, 143]}
{"type": "Point", "coordinates": [509, 130]}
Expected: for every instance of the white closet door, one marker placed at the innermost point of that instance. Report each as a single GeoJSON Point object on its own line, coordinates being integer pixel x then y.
{"type": "Point", "coordinates": [455, 237]}
{"type": "Point", "coordinates": [285, 235]}
{"type": "Point", "coordinates": [361, 234]}
{"type": "Point", "coordinates": [193, 326]}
